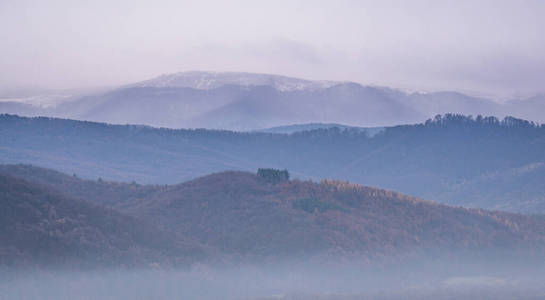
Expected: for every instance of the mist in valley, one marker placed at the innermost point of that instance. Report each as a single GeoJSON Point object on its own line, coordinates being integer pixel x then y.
{"type": "Point", "coordinates": [422, 278]}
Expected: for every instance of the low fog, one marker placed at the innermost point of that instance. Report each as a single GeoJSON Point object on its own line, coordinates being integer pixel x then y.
{"type": "Point", "coordinates": [455, 277]}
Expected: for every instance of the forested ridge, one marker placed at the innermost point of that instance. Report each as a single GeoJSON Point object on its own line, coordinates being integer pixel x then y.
{"type": "Point", "coordinates": [246, 217]}
{"type": "Point", "coordinates": [460, 160]}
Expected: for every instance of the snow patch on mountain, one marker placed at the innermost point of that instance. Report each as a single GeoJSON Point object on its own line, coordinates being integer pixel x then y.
{"type": "Point", "coordinates": [41, 101]}
{"type": "Point", "coordinates": [211, 80]}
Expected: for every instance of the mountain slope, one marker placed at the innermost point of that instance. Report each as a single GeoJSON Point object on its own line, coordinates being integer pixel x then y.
{"type": "Point", "coordinates": [41, 227]}
{"type": "Point", "coordinates": [212, 80]}
{"type": "Point", "coordinates": [248, 101]}
{"type": "Point", "coordinates": [438, 160]}
{"type": "Point", "coordinates": [167, 107]}
{"type": "Point", "coordinates": [350, 103]}
{"type": "Point", "coordinates": [236, 209]}
{"type": "Point", "coordinates": [431, 104]}
{"type": "Point", "coordinates": [520, 187]}
{"type": "Point", "coordinates": [249, 218]}
{"type": "Point", "coordinates": [117, 195]}
{"type": "Point", "coordinates": [531, 108]}
{"type": "Point", "coordinates": [240, 107]}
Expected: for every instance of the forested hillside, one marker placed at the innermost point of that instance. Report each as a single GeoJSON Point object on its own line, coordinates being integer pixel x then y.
{"type": "Point", "coordinates": [245, 217]}
{"type": "Point", "coordinates": [42, 227]}
{"type": "Point", "coordinates": [479, 162]}
{"type": "Point", "coordinates": [244, 214]}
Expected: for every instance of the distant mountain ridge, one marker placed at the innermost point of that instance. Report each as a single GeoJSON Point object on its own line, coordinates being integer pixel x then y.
{"type": "Point", "coordinates": [475, 162]}
{"type": "Point", "coordinates": [249, 101]}
{"type": "Point", "coordinates": [213, 80]}
{"type": "Point", "coordinates": [290, 129]}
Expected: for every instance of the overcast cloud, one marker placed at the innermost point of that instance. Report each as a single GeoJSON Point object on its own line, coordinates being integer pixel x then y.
{"type": "Point", "coordinates": [481, 47]}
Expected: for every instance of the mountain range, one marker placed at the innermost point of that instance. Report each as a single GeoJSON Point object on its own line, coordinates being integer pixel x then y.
{"type": "Point", "coordinates": [248, 101]}
{"type": "Point", "coordinates": [473, 162]}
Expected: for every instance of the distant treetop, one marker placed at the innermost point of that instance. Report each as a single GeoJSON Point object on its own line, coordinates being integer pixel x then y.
{"type": "Point", "coordinates": [458, 119]}
{"type": "Point", "coordinates": [274, 175]}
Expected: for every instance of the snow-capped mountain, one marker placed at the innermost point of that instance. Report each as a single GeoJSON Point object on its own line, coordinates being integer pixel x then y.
{"type": "Point", "coordinates": [212, 80]}
{"type": "Point", "coordinates": [248, 101]}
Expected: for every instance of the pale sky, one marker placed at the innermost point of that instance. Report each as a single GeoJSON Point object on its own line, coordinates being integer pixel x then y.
{"type": "Point", "coordinates": [494, 48]}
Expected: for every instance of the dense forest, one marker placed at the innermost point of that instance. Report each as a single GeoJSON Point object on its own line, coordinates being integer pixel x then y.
{"type": "Point", "coordinates": [40, 226]}
{"type": "Point", "coordinates": [460, 160]}
{"type": "Point", "coordinates": [245, 217]}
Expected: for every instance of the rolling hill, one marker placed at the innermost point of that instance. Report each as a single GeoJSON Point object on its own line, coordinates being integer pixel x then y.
{"type": "Point", "coordinates": [242, 214]}
{"type": "Point", "coordinates": [246, 217]}
{"type": "Point", "coordinates": [42, 227]}
{"type": "Point", "coordinates": [476, 162]}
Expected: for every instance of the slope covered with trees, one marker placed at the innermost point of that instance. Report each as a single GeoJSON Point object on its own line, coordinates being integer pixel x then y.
{"type": "Point", "coordinates": [245, 217]}
{"type": "Point", "coordinates": [244, 214]}
{"type": "Point", "coordinates": [460, 160]}
{"type": "Point", "coordinates": [43, 227]}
